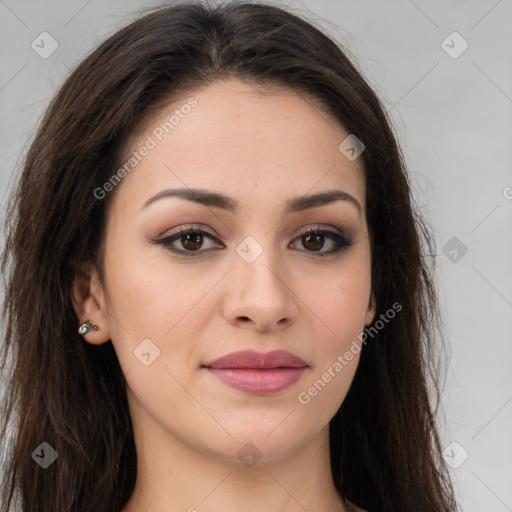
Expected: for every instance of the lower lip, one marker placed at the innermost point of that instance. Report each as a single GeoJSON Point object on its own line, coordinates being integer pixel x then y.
{"type": "Point", "coordinates": [259, 381]}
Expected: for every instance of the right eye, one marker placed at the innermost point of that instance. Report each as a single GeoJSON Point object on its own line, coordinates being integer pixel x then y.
{"type": "Point", "coordinates": [192, 240]}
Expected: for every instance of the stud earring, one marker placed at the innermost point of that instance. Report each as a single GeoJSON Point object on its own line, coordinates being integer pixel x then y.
{"type": "Point", "coordinates": [86, 327]}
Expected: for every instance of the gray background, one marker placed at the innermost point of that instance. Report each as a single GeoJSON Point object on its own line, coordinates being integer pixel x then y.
{"type": "Point", "coordinates": [453, 117]}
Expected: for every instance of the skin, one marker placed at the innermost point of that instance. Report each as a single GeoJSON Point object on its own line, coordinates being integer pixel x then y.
{"type": "Point", "coordinates": [260, 146]}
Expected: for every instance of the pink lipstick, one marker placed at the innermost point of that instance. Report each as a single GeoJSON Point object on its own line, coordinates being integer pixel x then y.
{"type": "Point", "coordinates": [257, 372]}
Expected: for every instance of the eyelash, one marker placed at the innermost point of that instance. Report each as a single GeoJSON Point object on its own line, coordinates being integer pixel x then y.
{"type": "Point", "coordinates": [342, 242]}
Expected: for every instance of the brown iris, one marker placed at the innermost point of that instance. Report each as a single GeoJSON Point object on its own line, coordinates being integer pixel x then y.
{"type": "Point", "coordinates": [318, 241]}
{"type": "Point", "coordinates": [192, 241]}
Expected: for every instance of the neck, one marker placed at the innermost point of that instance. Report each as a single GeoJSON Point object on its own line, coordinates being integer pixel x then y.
{"type": "Point", "coordinates": [174, 476]}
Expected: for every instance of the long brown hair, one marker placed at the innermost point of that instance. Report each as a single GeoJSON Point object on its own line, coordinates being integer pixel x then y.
{"type": "Point", "coordinates": [385, 448]}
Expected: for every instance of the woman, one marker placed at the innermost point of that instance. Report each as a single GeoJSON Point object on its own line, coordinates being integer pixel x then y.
{"type": "Point", "coordinates": [217, 291]}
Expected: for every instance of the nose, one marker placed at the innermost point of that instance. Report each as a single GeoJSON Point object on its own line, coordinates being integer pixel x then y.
{"type": "Point", "coordinates": [260, 294]}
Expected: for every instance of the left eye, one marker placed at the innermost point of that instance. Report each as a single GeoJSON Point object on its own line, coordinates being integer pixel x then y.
{"type": "Point", "coordinates": [192, 240]}
{"type": "Point", "coordinates": [315, 239]}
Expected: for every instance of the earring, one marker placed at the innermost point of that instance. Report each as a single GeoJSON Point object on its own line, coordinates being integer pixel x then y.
{"type": "Point", "coordinates": [86, 327]}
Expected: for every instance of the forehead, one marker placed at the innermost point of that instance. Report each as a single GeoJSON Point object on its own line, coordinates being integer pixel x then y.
{"type": "Point", "coordinates": [231, 136]}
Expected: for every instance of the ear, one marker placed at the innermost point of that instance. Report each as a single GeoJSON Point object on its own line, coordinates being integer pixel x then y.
{"type": "Point", "coordinates": [88, 300]}
{"type": "Point", "coordinates": [370, 314]}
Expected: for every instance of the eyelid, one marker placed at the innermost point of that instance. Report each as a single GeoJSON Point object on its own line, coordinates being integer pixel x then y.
{"type": "Point", "coordinates": [185, 227]}
{"type": "Point", "coordinates": [167, 239]}
{"type": "Point", "coordinates": [197, 227]}
{"type": "Point", "coordinates": [323, 227]}
{"type": "Point", "coordinates": [341, 240]}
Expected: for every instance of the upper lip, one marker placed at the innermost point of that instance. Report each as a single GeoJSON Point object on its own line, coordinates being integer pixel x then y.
{"type": "Point", "coordinates": [258, 360]}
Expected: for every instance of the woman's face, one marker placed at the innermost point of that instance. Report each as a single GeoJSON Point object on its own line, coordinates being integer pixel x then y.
{"type": "Point", "coordinates": [253, 281]}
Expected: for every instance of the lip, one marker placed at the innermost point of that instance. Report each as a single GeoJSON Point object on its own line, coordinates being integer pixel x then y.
{"type": "Point", "coordinates": [258, 373]}
{"type": "Point", "coordinates": [258, 360]}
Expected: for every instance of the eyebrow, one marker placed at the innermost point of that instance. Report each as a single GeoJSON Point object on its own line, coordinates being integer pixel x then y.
{"type": "Point", "coordinates": [217, 200]}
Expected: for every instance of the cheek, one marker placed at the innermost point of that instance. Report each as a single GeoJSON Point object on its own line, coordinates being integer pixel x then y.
{"type": "Point", "coordinates": [148, 293]}
{"type": "Point", "coordinates": [153, 309]}
{"type": "Point", "coordinates": [342, 299]}
{"type": "Point", "coordinates": [343, 306]}
{"type": "Point", "coordinates": [323, 392]}
{"type": "Point", "coordinates": [159, 318]}
{"type": "Point", "coordinates": [341, 303]}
